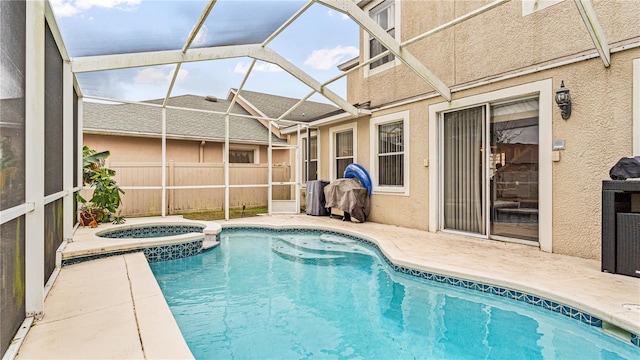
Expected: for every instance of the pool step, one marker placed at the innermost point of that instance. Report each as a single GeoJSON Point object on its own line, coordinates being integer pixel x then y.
{"type": "Point", "coordinates": [315, 249]}
{"type": "Point", "coordinates": [335, 239]}
{"type": "Point", "coordinates": [209, 244]}
{"type": "Point", "coordinates": [328, 244]}
{"type": "Point", "coordinates": [293, 253]}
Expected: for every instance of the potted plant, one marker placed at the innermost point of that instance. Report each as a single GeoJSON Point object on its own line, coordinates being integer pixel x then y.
{"type": "Point", "coordinates": [106, 193]}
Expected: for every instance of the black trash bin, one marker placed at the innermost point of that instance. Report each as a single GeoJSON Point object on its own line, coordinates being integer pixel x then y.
{"type": "Point", "coordinates": [315, 201]}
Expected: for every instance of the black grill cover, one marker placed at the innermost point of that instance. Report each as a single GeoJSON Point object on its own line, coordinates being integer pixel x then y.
{"type": "Point", "coordinates": [349, 196]}
{"type": "Point", "coordinates": [626, 168]}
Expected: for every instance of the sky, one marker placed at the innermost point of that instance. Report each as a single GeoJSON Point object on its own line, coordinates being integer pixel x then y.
{"type": "Point", "coordinates": [318, 41]}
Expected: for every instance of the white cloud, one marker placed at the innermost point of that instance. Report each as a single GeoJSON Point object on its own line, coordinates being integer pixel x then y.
{"type": "Point", "coordinates": [201, 37]}
{"type": "Point", "coordinates": [241, 68]}
{"type": "Point", "coordinates": [158, 76]}
{"type": "Point", "coordinates": [63, 8]}
{"type": "Point", "coordinates": [342, 15]}
{"type": "Point", "coordinates": [324, 59]}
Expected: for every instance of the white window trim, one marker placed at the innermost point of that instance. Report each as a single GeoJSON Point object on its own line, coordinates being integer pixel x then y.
{"type": "Point", "coordinates": [332, 136]}
{"type": "Point", "coordinates": [395, 62]}
{"type": "Point", "coordinates": [544, 89]}
{"type": "Point", "coordinates": [636, 107]}
{"type": "Point", "coordinates": [531, 6]}
{"type": "Point", "coordinates": [243, 147]}
{"type": "Point", "coordinates": [373, 136]}
{"type": "Point", "coordinates": [304, 136]}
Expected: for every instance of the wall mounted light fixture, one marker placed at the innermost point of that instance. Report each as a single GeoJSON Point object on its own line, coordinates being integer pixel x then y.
{"type": "Point", "coordinates": [563, 99]}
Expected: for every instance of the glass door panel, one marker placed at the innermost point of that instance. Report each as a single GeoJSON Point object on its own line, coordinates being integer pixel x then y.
{"type": "Point", "coordinates": [513, 164]}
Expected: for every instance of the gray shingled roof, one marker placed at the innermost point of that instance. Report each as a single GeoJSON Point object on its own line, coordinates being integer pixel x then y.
{"type": "Point", "coordinates": [140, 119]}
{"type": "Point", "coordinates": [273, 106]}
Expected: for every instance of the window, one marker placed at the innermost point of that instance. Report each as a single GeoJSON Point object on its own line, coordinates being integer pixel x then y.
{"type": "Point", "coordinates": [384, 15]}
{"type": "Point", "coordinates": [389, 151]}
{"type": "Point", "coordinates": [390, 154]}
{"type": "Point", "coordinates": [313, 162]}
{"type": "Point", "coordinates": [342, 149]}
{"type": "Point", "coordinates": [244, 154]}
{"type": "Point", "coordinates": [241, 156]}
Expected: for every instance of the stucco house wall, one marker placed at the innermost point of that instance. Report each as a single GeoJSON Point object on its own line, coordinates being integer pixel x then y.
{"type": "Point", "coordinates": [496, 42]}
{"type": "Point", "coordinates": [495, 52]}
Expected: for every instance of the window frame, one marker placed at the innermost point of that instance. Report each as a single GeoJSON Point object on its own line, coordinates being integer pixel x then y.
{"type": "Point", "coordinates": [368, 71]}
{"type": "Point", "coordinates": [374, 125]}
{"type": "Point", "coordinates": [332, 140]}
{"type": "Point", "coordinates": [636, 107]}
{"type": "Point", "coordinates": [241, 147]}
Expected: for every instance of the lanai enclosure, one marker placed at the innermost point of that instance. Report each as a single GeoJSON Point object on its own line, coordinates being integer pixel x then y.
{"type": "Point", "coordinates": [48, 73]}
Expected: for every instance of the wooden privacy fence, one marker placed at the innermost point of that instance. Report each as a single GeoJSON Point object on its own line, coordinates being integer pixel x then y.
{"type": "Point", "coordinates": [148, 201]}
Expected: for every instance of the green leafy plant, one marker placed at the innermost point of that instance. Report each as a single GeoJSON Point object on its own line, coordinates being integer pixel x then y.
{"type": "Point", "coordinates": [106, 193]}
{"type": "Point", "coordinates": [118, 219]}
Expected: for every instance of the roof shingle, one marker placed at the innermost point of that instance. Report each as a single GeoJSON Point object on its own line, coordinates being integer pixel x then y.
{"type": "Point", "coordinates": [140, 119]}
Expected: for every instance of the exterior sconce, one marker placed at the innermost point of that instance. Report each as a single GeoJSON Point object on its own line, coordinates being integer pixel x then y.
{"type": "Point", "coordinates": [563, 99]}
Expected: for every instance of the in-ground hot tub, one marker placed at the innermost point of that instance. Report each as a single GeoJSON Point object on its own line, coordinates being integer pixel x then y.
{"type": "Point", "coordinates": [159, 241]}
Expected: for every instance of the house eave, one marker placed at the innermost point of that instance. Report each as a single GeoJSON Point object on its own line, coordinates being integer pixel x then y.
{"type": "Point", "coordinates": [349, 64]}
{"type": "Point", "coordinates": [171, 136]}
{"type": "Point", "coordinates": [327, 121]}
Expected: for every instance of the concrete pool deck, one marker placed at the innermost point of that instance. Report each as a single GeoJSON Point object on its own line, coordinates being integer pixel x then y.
{"type": "Point", "coordinates": [113, 307]}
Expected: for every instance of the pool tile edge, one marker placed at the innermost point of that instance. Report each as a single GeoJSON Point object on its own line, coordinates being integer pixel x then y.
{"type": "Point", "coordinates": [503, 291]}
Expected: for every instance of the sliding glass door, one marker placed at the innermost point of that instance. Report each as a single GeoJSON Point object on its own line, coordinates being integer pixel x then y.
{"type": "Point", "coordinates": [489, 159]}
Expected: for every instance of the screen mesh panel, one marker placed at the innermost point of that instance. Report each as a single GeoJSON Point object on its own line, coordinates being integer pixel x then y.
{"type": "Point", "coordinates": [53, 234]}
{"type": "Point", "coordinates": [12, 291]}
{"type": "Point", "coordinates": [12, 103]}
{"type": "Point", "coordinates": [166, 25]}
{"type": "Point", "coordinates": [12, 164]}
{"type": "Point", "coordinates": [53, 115]}
{"type": "Point", "coordinates": [245, 22]}
{"type": "Point", "coordinates": [75, 139]}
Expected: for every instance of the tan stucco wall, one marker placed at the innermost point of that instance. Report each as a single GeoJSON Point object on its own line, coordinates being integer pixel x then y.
{"type": "Point", "coordinates": [496, 42]}
{"type": "Point", "coordinates": [597, 135]}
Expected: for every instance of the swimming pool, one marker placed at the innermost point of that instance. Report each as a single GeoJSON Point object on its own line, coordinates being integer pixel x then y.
{"type": "Point", "coordinates": [301, 294]}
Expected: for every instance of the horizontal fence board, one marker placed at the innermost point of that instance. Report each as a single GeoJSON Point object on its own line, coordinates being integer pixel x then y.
{"type": "Point", "coordinates": [146, 202]}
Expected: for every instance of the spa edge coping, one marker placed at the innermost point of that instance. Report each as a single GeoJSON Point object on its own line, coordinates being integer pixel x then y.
{"type": "Point", "coordinates": [104, 245]}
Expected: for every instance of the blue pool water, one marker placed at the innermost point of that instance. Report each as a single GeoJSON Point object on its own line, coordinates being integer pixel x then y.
{"type": "Point", "coordinates": [299, 295]}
